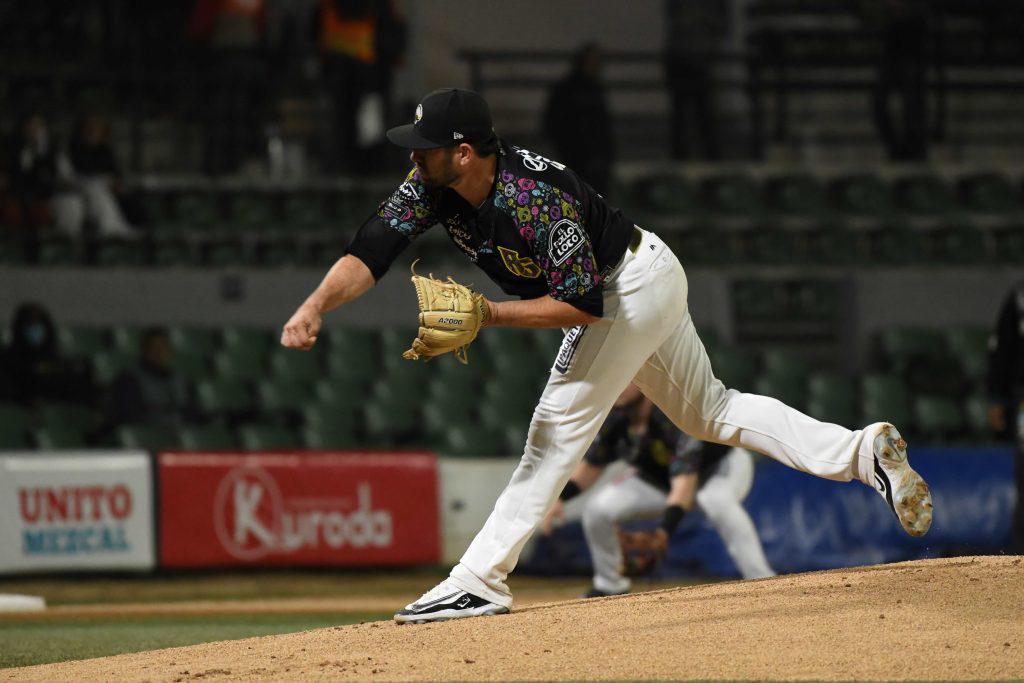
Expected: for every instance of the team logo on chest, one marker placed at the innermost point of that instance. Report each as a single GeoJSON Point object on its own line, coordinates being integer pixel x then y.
{"type": "Point", "coordinates": [517, 265]}
{"type": "Point", "coordinates": [564, 239]}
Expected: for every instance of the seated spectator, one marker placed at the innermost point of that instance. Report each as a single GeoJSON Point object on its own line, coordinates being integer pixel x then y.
{"type": "Point", "coordinates": [31, 367]}
{"type": "Point", "coordinates": [96, 176]}
{"type": "Point", "coordinates": [152, 394]}
{"type": "Point", "coordinates": [39, 181]}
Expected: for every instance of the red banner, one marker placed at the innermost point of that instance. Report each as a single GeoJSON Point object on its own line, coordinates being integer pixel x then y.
{"type": "Point", "coordinates": [298, 509]}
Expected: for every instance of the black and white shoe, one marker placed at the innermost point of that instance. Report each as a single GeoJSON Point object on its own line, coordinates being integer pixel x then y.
{"type": "Point", "coordinates": [598, 593]}
{"type": "Point", "coordinates": [447, 601]}
{"type": "Point", "coordinates": [903, 489]}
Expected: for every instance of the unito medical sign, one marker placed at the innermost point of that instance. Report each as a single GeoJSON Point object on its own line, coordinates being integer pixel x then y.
{"type": "Point", "coordinates": [75, 511]}
{"type": "Point", "coordinates": [302, 509]}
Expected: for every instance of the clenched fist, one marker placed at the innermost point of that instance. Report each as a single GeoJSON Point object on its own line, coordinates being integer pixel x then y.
{"type": "Point", "coordinates": [300, 332]}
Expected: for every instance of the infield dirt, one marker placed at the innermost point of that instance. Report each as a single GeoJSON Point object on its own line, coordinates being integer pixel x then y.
{"type": "Point", "coordinates": [951, 619]}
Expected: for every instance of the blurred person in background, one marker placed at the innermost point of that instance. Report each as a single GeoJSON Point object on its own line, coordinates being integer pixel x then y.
{"type": "Point", "coordinates": [231, 34]}
{"type": "Point", "coordinates": [152, 393]}
{"type": "Point", "coordinates": [696, 31]}
{"type": "Point", "coordinates": [39, 179]}
{"type": "Point", "coordinates": [671, 473]}
{"type": "Point", "coordinates": [97, 176]}
{"type": "Point", "coordinates": [32, 368]}
{"type": "Point", "coordinates": [900, 94]}
{"type": "Point", "coordinates": [360, 43]}
{"type": "Point", "coordinates": [577, 121]}
{"type": "Point", "coordinates": [1006, 391]}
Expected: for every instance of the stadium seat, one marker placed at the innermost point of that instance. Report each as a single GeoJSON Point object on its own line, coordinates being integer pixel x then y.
{"type": "Point", "coordinates": [280, 397]}
{"type": "Point", "coordinates": [386, 391]}
{"type": "Point", "coordinates": [435, 420]}
{"type": "Point", "coordinates": [862, 195]}
{"type": "Point", "coordinates": [785, 363]}
{"type": "Point", "coordinates": [144, 437]}
{"type": "Point", "coordinates": [939, 418]}
{"type": "Point", "coordinates": [969, 345]}
{"type": "Point", "coordinates": [518, 401]}
{"type": "Point", "coordinates": [958, 244]}
{"type": "Point", "coordinates": [734, 367]}
{"type": "Point", "coordinates": [193, 367]}
{"type": "Point", "coordinates": [252, 212]}
{"type": "Point", "coordinates": [278, 253]}
{"type": "Point", "coordinates": [11, 253]}
{"type": "Point", "coordinates": [356, 373]}
{"type": "Point", "coordinates": [225, 253]}
{"type": "Point", "coordinates": [126, 339]}
{"type": "Point", "coordinates": [895, 245]}
{"type": "Point", "coordinates": [834, 245]}
{"type": "Point", "coordinates": [238, 365]}
{"type": "Point", "coordinates": [339, 395]}
{"type": "Point", "coordinates": [245, 339]}
{"type": "Point", "coordinates": [976, 410]}
{"type": "Point", "coordinates": [1008, 244]}
{"type": "Point", "coordinates": [885, 398]}
{"type": "Point", "coordinates": [515, 437]}
{"type": "Point", "coordinates": [319, 413]}
{"type": "Point", "coordinates": [391, 424]}
{"type": "Point", "coordinates": [731, 194]}
{"type": "Point", "coordinates": [662, 194]}
{"type": "Point", "coordinates": [833, 398]}
{"type": "Point", "coordinates": [395, 340]}
{"type": "Point", "coordinates": [212, 437]}
{"type": "Point", "coordinates": [329, 436]}
{"type": "Point", "coordinates": [304, 212]}
{"type": "Point", "coordinates": [289, 364]}
{"type": "Point", "coordinates": [172, 251]}
{"type": "Point", "coordinates": [466, 440]}
{"type": "Point", "coordinates": [57, 414]}
{"type": "Point", "coordinates": [901, 344]}
{"type": "Point", "coordinates": [57, 251]}
{"type": "Point", "coordinates": [197, 210]}
{"type": "Point", "coordinates": [106, 366]}
{"type": "Point", "coordinates": [113, 253]}
{"type": "Point", "coordinates": [406, 374]}
{"type": "Point", "coordinates": [791, 390]}
{"type": "Point", "coordinates": [219, 397]}
{"type": "Point", "coordinates": [458, 399]}
{"type": "Point", "coordinates": [360, 344]}
{"type": "Point", "coordinates": [925, 195]}
{"type": "Point", "coordinates": [78, 340]}
{"type": "Point", "coordinates": [264, 437]}
{"type": "Point", "coordinates": [201, 341]}
{"type": "Point", "coordinates": [797, 194]}
{"type": "Point", "coordinates": [58, 437]}
{"type": "Point", "coordinates": [990, 193]}
{"type": "Point", "coordinates": [14, 427]}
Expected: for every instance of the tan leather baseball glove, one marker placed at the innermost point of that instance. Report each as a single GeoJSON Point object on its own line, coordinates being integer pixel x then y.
{"type": "Point", "coordinates": [451, 315]}
{"type": "Point", "coordinates": [642, 551]}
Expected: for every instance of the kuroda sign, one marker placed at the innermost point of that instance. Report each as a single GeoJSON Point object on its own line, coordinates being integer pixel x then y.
{"type": "Point", "coordinates": [338, 509]}
{"type": "Point", "coordinates": [75, 511]}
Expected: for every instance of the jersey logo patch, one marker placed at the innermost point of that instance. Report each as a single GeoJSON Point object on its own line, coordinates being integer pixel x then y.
{"type": "Point", "coordinates": [536, 162]}
{"type": "Point", "coordinates": [568, 349]}
{"type": "Point", "coordinates": [518, 266]}
{"type": "Point", "coordinates": [564, 239]}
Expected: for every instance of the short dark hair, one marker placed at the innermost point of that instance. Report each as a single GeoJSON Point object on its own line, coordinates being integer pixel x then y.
{"type": "Point", "coordinates": [151, 334]}
{"type": "Point", "coordinates": [487, 148]}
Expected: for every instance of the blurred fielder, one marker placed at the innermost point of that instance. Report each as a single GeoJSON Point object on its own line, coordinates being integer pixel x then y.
{"type": "Point", "coordinates": [542, 234]}
{"type": "Point", "coordinates": [670, 474]}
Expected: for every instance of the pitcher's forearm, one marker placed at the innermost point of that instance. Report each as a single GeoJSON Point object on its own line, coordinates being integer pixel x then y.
{"type": "Point", "coordinates": [348, 279]}
{"type": "Point", "coordinates": [540, 312]}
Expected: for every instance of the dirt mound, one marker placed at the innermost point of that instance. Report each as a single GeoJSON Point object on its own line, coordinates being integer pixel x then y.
{"type": "Point", "coordinates": [949, 619]}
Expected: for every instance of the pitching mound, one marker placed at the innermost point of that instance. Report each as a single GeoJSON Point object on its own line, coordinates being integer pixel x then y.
{"type": "Point", "coordinates": [939, 619]}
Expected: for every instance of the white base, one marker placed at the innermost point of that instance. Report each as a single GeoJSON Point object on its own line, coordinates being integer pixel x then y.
{"type": "Point", "coordinates": [9, 602]}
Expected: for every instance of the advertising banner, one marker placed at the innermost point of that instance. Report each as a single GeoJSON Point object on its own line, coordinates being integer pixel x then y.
{"type": "Point", "coordinates": [298, 509]}
{"type": "Point", "coordinates": [76, 511]}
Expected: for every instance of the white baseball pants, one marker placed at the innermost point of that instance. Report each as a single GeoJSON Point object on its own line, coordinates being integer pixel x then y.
{"type": "Point", "coordinates": [646, 336]}
{"type": "Point", "coordinates": [630, 498]}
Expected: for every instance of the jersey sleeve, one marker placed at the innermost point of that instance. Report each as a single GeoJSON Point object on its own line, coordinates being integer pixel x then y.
{"type": "Point", "coordinates": [550, 220]}
{"type": "Point", "coordinates": [403, 216]}
{"type": "Point", "coordinates": [688, 456]}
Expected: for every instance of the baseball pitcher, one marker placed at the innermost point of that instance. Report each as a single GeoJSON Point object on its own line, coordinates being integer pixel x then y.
{"type": "Point", "coordinates": [542, 234]}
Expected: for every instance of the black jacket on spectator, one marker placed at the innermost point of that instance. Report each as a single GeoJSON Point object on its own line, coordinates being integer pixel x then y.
{"type": "Point", "coordinates": [31, 367]}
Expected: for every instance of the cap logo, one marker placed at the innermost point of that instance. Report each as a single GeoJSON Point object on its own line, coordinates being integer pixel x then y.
{"type": "Point", "coordinates": [419, 113]}
{"type": "Point", "coordinates": [457, 136]}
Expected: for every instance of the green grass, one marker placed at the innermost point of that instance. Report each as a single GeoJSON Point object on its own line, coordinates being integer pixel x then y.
{"type": "Point", "coordinates": [41, 641]}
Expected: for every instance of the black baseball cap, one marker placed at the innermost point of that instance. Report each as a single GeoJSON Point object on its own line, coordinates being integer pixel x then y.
{"type": "Point", "coordinates": [449, 116]}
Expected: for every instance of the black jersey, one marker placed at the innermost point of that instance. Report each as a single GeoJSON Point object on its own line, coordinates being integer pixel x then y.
{"type": "Point", "coordinates": [541, 231]}
{"type": "Point", "coordinates": [659, 454]}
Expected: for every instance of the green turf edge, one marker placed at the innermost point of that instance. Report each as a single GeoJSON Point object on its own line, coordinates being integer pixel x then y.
{"type": "Point", "coordinates": [45, 642]}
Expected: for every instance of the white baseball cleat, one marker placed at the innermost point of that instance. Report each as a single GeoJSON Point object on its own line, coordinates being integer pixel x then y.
{"type": "Point", "coordinates": [447, 601]}
{"type": "Point", "coordinates": [901, 487]}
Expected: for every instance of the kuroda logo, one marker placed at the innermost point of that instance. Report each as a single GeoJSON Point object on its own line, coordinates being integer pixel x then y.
{"type": "Point", "coordinates": [253, 518]}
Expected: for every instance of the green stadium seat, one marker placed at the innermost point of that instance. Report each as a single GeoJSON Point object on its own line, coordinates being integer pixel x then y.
{"type": "Point", "coordinates": [246, 339]}
{"type": "Point", "coordinates": [218, 397]}
{"type": "Point", "coordinates": [517, 401]}
{"type": "Point", "coordinates": [113, 253]}
{"type": "Point", "coordinates": [279, 253]}
{"type": "Point", "coordinates": [835, 245]}
{"type": "Point", "coordinates": [14, 427]}
{"type": "Point", "coordinates": [435, 420]}
{"type": "Point", "coordinates": [355, 372]}
{"type": "Point", "coordinates": [734, 367]}
{"type": "Point", "coordinates": [862, 195]}
{"type": "Point", "coordinates": [304, 212]}
{"type": "Point", "coordinates": [59, 252]}
{"type": "Point", "coordinates": [939, 418]}
{"type": "Point", "coordinates": [547, 342]}
{"type": "Point", "coordinates": [789, 389]}
{"type": "Point", "coordinates": [81, 340]}
{"type": "Point", "coordinates": [339, 395]}
{"type": "Point", "coordinates": [360, 344]}
{"type": "Point", "coordinates": [990, 193]}
{"type": "Point", "coordinates": [300, 366]}
{"type": "Point", "coordinates": [895, 245]}
{"type": "Point", "coordinates": [264, 437]}
{"type": "Point", "coordinates": [900, 344]}
{"type": "Point", "coordinates": [193, 340]}
{"type": "Point", "coordinates": [239, 366]}
{"type": "Point", "coordinates": [460, 400]}
{"type": "Point", "coordinates": [391, 424]}
{"type": "Point", "coordinates": [925, 195]}
{"type": "Point", "coordinates": [225, 253]}
{"type": "Point", "coordinates": [731, 194]}
{"type": "Point", "coordinates": [969, 345]}
{"type": "Point", "coordinates": [462, 440]}
{"type": "Point", "coordinates": [662, 194]}
{"type": "Point", "coordinates": [515, 438]}
{"type": "Point", "coordinates": [833, 398]}
{"type": "Point", "coordinates": [394, 341]}
{"type": "Point", "coordinates": [253, 212]}
{"type": "Point", "coordinates": [388, 392]}
{"type": "Point", "coordinates": [1008, 244]}
{"type": "Point", "coordinates": [194, 210]}
{"type": "Point", "coordinates": [885, 398]}
{"type": "Point", "coordinates": [192, 366]}
{"type": "Point", "coordinates": [144, 437]}
{"type": "Point", "coordinates": [11, 253]}
{"type": "Point", "coordinates": [766, 244]}
{"type": "Point", "coordinates": [106, 366]}
{"type": "Point", "coordinates": [329, 436]}
{"type": "Point", "coordinates": [126, 339]}
{"type": "Point", "coordinates": [798, 194]}
{"type": "Point", "coordinates": [958, 244]}
{"type": "Point", "coordinates": [976, 410]}
{"type": "Point", "coordinates": [785, 363]}
{"type": "Point", "coordinates": [59, 437]}
{"type": "Point", "coordinates": [172, 251]}
{"type": "Point", "coordinates": [211, 437]}
{"type": "Point", "coordinates": [407, 374]}
{"type": "Point", "coordinates": [72, 415]}
{"type": "Point", "coordinates": [281, 397]}
{"type": "Point", "coordinates": [331, 414]}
